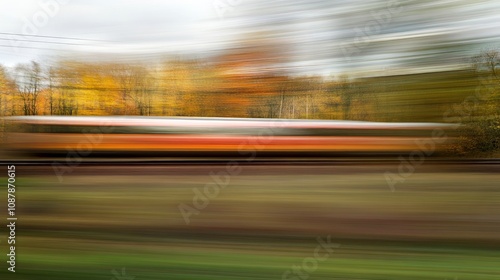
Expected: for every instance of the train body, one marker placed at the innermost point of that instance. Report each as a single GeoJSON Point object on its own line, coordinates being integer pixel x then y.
{"type": "Point", "coordinates": [197, 136]}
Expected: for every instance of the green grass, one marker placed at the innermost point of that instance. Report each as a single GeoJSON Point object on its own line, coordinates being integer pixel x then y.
{"type": "Point", "coordinates": [166, 259]}
{"type": "Point", "coordinates": [434, 226]}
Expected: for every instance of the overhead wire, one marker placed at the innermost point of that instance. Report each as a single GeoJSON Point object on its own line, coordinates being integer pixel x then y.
{"type": "Point", "coordinates": [52, 37]}
{"type": "Point", "coordinates": [44, 42]}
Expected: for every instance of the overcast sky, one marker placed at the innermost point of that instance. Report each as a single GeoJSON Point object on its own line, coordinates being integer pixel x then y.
{"type": "Point", "coordinates": [319, 36]}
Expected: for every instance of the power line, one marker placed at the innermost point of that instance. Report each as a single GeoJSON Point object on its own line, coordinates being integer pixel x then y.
{"type": "Point", "coordinates": [24, 47]}
{"type": "Point", "coordinates": [53, 37]}
{"type": "Point", "coordinates": [46, 42]}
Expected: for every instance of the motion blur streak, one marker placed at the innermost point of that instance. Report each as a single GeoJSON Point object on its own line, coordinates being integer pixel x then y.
{"type": "Point", "coordinates": [162, 136]}
{"type": "Point", "coordinates": [441, 224]}
{"type": "Point", "coordinates": [251, 139]}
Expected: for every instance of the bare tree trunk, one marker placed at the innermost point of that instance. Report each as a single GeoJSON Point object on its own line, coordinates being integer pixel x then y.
{"type": "Point", "coordinates": [281, 104]}
{"type": "Point", "coordinates": [307, 106]}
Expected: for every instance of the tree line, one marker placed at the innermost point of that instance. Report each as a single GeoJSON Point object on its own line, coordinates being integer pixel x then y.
{"type": "Point", "coordinates": [234, 85]}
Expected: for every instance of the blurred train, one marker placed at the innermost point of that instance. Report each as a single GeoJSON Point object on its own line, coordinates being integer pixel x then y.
{"type": "Point", "coordinates": [155, 136]}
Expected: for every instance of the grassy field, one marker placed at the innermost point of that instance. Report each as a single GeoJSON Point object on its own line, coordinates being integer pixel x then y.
{"type": "Point", "coordinates": [434, 226]}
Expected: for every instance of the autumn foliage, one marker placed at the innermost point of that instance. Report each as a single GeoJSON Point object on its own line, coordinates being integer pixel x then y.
{"type": "Point", "coordinates": [239, 83]}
